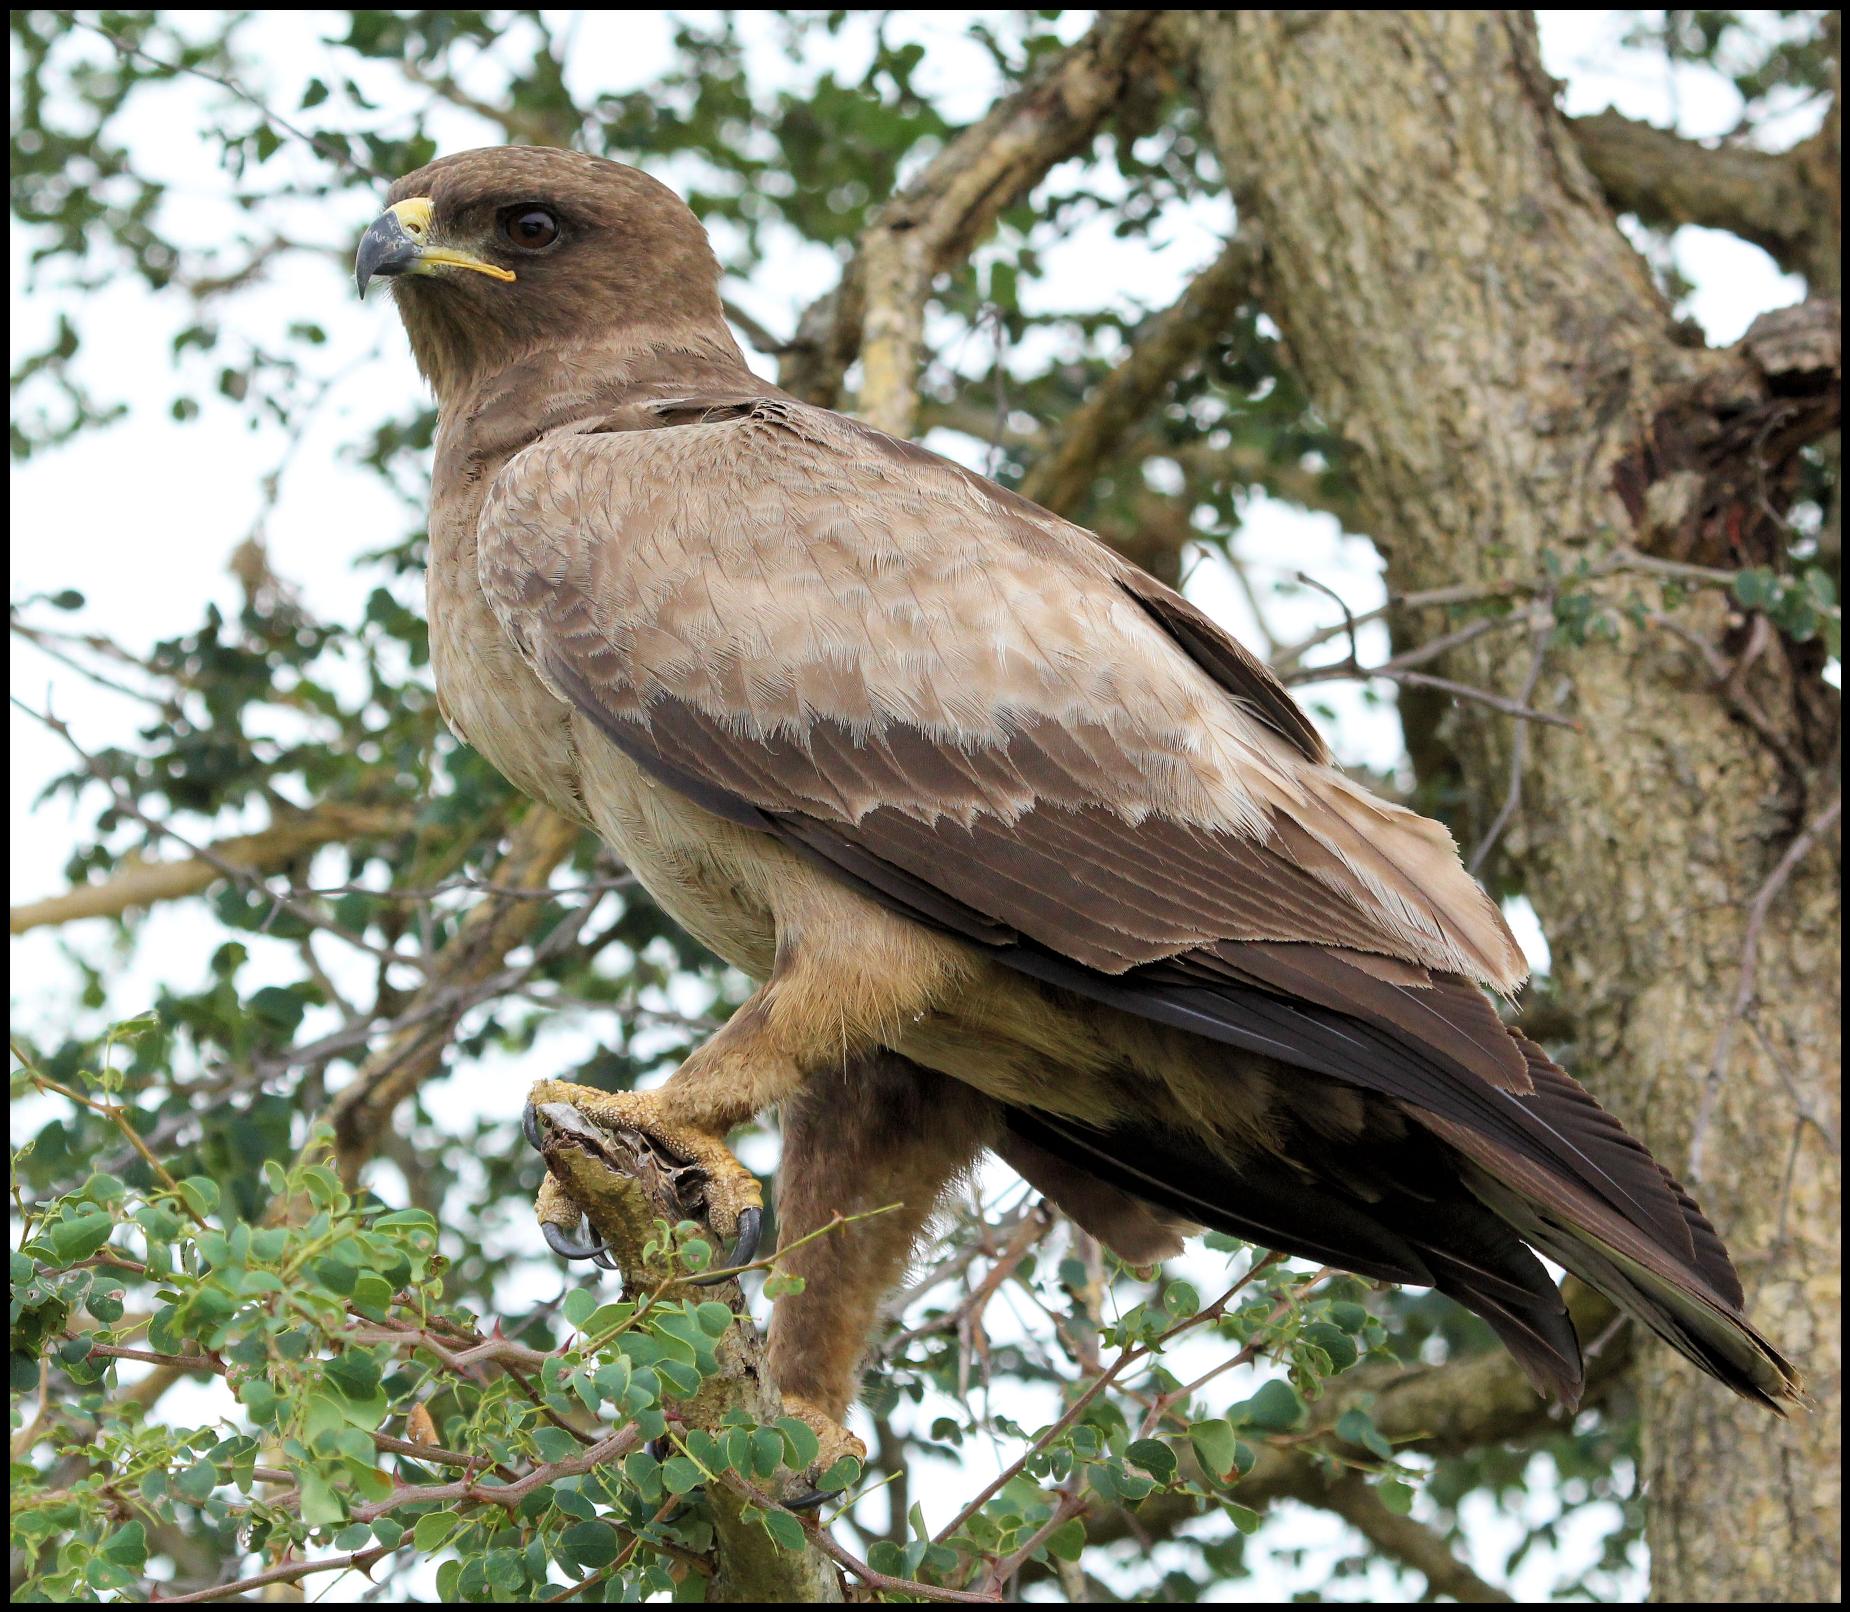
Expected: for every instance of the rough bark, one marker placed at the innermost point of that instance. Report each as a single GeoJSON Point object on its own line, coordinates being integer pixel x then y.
{"type": "Point", "coordinates": [1450, 282]}
{"type": "Point", "coordinates": [1778, 200]}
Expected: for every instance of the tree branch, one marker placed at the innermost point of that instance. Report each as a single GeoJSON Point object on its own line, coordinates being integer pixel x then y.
{"type": "Point", "coordinates": [1433, 1410]}
{"type": "Point", "coordinates": [1769, 198]}
{"type": "Point", "coordinates": [138, 882]}
{"type": "Point", "coordinates": [624, 1189]}
{"type": "Point", "coordinates": [878, 308]}
{"type": "Point", "coordinates": [540, 841]}
{"type": "Point", "coordinates": [1166, 345]}
{"type": "Point", "coordinates": [1407, 1541]}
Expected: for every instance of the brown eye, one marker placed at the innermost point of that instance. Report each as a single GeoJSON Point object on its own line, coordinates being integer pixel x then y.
{"type": "Point", "coordinates": [530, 228]}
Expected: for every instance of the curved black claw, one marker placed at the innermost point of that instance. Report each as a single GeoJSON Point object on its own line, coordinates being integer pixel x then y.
{"type": "Point", "coordinates": [810, 1500]}
{"type": "Point", "coordinates": [744, 1249]}
{"type": "Point", "coordinates": [560, 1242]}
{"type": "Point", "coordinates": [530, 1127]}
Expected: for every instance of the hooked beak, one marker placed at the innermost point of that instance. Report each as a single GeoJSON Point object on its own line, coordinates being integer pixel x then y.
{"type": "Point", "coordinates": [398, 242]}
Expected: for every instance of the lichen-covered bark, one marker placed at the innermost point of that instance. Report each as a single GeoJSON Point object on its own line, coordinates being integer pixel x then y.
{"type": "Point", "coordinates": [1453, 289]}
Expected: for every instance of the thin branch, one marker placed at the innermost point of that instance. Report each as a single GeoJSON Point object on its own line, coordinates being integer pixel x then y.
{"type": "Point", "coordinates": [290, 1573]}
{"type": "Point", "coordinates": [877, 310]}
{"type": "Point", "coordinates": [1166, 345]}
{"type": "Point", "coordinates": [127, 803]}
{"type": "Point", "coordinates": [1126, 1358]}
{"type": "Point", "coordinates": [1417, 1546]}
{"type": "Point", "coordinates": [540, 841]}
{"type": "Point", "coordinates": [1519, 753]}
{"type": "Point", "coordinates": [137, 882]}
{"type": "Point", "coordinates": [1800, 848]}
{"type": "Point", "coordinates": [339, 155]}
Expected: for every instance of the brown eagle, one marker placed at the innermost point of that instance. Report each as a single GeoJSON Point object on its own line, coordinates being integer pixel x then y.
{"type": "Point", "coordinates": [1027, 854]}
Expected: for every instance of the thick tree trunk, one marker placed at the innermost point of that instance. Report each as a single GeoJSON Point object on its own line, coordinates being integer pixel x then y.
{"type": "Point", "coordinates": [1457, 297]}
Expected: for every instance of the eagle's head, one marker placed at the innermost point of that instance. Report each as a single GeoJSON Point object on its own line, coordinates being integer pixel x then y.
{"type": "Point", "coordinates": [498, 254]}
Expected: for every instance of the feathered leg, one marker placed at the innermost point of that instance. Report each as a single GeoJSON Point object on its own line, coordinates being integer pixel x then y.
{"type": "Point", "coordinates": [880, 1132]}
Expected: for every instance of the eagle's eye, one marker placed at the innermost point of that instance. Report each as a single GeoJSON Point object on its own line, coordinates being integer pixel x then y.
{"type": "Point", "coordinates": [532, 229]}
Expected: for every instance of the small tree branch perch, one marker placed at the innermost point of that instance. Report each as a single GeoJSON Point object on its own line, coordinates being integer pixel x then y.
{"type": "Point", "coordinates": [624, 1188]}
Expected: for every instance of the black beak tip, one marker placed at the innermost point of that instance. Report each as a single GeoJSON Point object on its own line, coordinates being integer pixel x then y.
{"type": "Point", "coordinates": [385, 249]}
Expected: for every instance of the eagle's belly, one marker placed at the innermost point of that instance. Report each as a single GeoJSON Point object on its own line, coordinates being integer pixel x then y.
{"type": "Point", "coordinates": [494, 703]}
{"type": "Point", "coordinates": [713, 878]}
{"type": "Point", "coordinates": [699, 868]}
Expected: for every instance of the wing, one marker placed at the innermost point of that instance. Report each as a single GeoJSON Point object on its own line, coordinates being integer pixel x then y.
{"type": "Point", "coordinates": [978, 714]}
{"type": "Point", "coordinates": [902, 664]}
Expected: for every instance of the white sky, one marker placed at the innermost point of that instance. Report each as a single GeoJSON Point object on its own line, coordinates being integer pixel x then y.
{"type": "Point", "coordinates": [142, 517]}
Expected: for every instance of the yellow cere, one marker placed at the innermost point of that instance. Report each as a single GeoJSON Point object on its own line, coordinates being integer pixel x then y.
{"type": "Point", "coordinates": [413, 214]}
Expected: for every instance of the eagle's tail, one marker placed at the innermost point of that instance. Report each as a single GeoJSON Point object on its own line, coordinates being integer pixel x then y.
{"type": "Point", "coordinates": [1424, 1199]}
{"type": "Point", "coordinates": [1688, 1294]}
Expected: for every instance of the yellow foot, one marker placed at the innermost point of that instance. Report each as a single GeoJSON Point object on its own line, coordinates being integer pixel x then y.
{"type": "Point", "coordinates": [835, 1440]}
{"type": "Point", "coordinates": [734, 1201]}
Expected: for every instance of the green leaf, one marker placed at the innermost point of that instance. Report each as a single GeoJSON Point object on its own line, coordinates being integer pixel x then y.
{"type": "Point", "coordinates": [1244, 1518]}
{"type": "Point", "coordinates": [554, 1443]}
{"type": "Point", "coordinates": [432, 1532]}
{"type": "Point", "coordinates": [1333, 1341]}
{"type": "Point", "coordinates": [1276, 1408]}
{"type": "Point", "coordinates": [128, 1546]}
{"type": "Point", "coordinates": [785, 1531]}
{"type": "Point", "coordinates": [680, 1475]}
{"type": "Point", "coordinates": [201, 1195]}
{"type": "Point", "coordinates": [1216, 1448]}
{"type": "Point", "coordinates": [1358, 1427]}
{"type": "Point", "coordinates": [590, 1544]}
{"type": "Point", "coordinates": [1755, 588]}
{"type": "Point", "coordinates": [321, 1506]}
{"type": "Point", "coordinates": [801, 1446]}
{"type": "Point", "coordinates": [1395, 1495]}
{"type": "Point", "coordinates": [1154, 1456]}
{"type": "Point", "coordinates": [844, 1474]}
{"type": "Point", "coordinates": [81, 1236]}
{"type": "Point", "coordinates": [580, 1303]}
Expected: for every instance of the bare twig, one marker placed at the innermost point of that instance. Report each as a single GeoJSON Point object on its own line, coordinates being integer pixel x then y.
{"type": "Point", "coordinates": [1519, 751]}
{"type": "Point", "coordinates": [1166, 345]}
{"type": "Point", "coordinates": [339, 155]}
{"type": "Point", "coordinates": [1801, 847]}
{"type": "Point", "coordinates": [281, 902]}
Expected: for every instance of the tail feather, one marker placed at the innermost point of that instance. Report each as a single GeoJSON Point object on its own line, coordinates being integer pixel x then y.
{"type": "Point", "coordinates": [1438, 1203]}
{"type": "Point", "coordinates": [1343, 1211]}
{"type": "Point", "coordinates": [1685, 1291]}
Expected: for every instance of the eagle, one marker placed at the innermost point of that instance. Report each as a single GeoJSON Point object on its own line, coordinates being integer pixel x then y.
{"type": "Point", "coordinates": [1024, 853]}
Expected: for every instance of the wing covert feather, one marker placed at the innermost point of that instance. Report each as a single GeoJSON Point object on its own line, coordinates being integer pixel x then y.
{"type": "Point", "coordinates": [820, 621]}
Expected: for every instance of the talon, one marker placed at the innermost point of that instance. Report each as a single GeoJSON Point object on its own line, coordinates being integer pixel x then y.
{"type": "Point", "coordinates": [530, 1127]}
{"type": "Point", "coordinates": [560, 1241]}
{"type": "Point", "coordinates": [744, 1249]}
{"type": "Point", "coordinates": [603, 1261]}
{"type": "Point", "coordinates": [810, 1500]}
